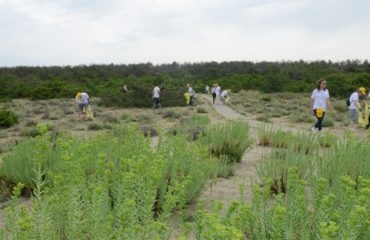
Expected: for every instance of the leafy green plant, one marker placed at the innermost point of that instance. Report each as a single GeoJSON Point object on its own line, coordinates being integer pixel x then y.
{"type": "Point", "coordinates": [7, 118]}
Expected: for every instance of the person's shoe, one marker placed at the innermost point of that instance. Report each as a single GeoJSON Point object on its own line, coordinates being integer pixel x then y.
{"type": "Point", "coordinates": [314, 130]}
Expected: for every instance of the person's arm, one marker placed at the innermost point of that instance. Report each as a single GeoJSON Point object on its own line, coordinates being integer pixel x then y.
{"type": "Point", "coordinates": [311, 105]}
{"type": "Point", "coordinates": [358, 105]}
{"type": "Point", "coordinates": [329, 104]}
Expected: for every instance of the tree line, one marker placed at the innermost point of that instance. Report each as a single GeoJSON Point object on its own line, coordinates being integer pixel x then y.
{"type": "Point", "coordinates": [106, 81]}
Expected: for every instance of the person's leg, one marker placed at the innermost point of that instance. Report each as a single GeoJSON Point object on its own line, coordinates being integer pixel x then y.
{"type": "Point", "coordinates": [214, 98]}
{"type": "Point", "coordinates": [353, 115]}
{"type": "Point", "coordinates": [320, 121]}
{"type": "Point", "coordinates": [191, 100]}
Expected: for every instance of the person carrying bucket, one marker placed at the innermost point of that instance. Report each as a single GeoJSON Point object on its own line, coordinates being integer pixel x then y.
{"type": "Point", "coordinates": [318, 104]}
{"type": "Point", "coordinates": [354, 104]}
{"type": "Point", "coordinates": [191, 94]}
{"type": "Point", "coordinates": [82, 101]}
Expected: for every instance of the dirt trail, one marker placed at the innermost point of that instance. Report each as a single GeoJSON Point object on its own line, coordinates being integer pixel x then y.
{"type": "Point", "coordinates": [226, 190]}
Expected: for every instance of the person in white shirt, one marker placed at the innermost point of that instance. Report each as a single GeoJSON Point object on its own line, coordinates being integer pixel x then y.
{"type": "Point", "coordinates": [156, 97]}
{"type": "Point", "coordinates": [223, 95]}
{"type": "Point", "coordinates": [191, 94]}
{"type": "Point", "coordinates": [354, 103]}
{"type": "Point", "coordinates": [207, 89]}
{"type": "Point", "coordinates": [319, 102]}
{"type": "Point", "coordinates": [82, 101]}
{"type": "Point", "coordinates": [218, 90]}
{"type": "Point", "coordinates": [214, 93]}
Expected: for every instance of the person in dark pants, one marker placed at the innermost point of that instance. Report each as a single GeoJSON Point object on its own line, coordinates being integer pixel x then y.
{"type": "Point", "coordinates": [319, 102]}
{"type": "Point", "coordinates": [320, 118]}
{"type": "Point", "coordinates": [214, 93]}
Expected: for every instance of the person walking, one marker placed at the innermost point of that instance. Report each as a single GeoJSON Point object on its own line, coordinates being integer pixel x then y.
{"type": "Point", "coordinates": [354, 103]}
{"type": "Point", "coordinates": [207, 89]}
{"type": "Point", "coordinates": [156, 97]}
{"type": "Point", "coordinates": [191, 94]}
{"type": "Point", "coordinates": [218, 91]}
{"type": "Point", "coordinates": [214, 93]}
{"type": "Point", "coordinates": [82, 101]}
{"type": "Point", "coordinates": [318, 104]}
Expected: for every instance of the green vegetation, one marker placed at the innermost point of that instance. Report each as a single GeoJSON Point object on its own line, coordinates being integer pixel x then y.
{"type": "Point", "coordinates": [110, 185]}
{"type": "Point", "coordinates": [7, 118]}
{"type": "Point", "coordinates": [106, 81]}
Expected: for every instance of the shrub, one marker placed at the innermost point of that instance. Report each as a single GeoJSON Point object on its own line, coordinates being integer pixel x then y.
{"type": "Point", "coordinates": [7, 118]}
{"type": "Point", "coordinates": [144, 118]}
{"type": "Point", "coordinates": [229, 139]}
{"type": "Point", "coordinates": [328, 121]}
{"type": "Point", "coordinates": [170, 114]}
{"type": "Point", "coordinates": [149, 131]}
{"type": "Point", "coordinates": [340, 106]}
{"type": "Point", "coordinates": [201, 110]}
{"type": "Point", "coordinates": [94, 126]}
{"type": "Point", "coordinates": [266, 98]}
{"type": "Point", "coordinates": [302, 117]}
{"type": "Point", "coordinates": [111, 119]}
{"type": "Point", "coordinates": [264, 118]}
{"type": "Point", "coordinates": [225, 167]}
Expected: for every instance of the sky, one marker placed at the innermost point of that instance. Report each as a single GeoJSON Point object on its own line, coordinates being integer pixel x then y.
{"type": "Point", "coordinates": [73, 32]}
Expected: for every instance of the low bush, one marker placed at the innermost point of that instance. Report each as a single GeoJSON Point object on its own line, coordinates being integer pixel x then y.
{"type": "Point", "coordinates": [328, 121]}
{"type": "Point", "coordinates": [110, 119]}
{"type": "Point", "coordinates": [225, 167]}
{"type": "Point", "coordinates": [266, 98]}
{"type": "Point", "coordinates": [229, 139]}
{"type": "Point", "coordinates": [264, 118]}
{"type": "Point", "coordinates": [302, 117]}
{"type": "Point", "coordinates": [94, 126]}
{"type": "Point", "coordinates": [170, 114]}
{"type": "Point", "coordinates": [149, 131]}
{"type": "Point", "coordinates": [201, 110]}
{"type": "Point", "coordinates": [7, 118]}
{"type": "Point", "coordinates": [340, 106]}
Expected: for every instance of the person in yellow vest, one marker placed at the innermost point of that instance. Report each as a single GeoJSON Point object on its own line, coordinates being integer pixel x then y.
{"type": "Point", "coordinates": [318, 104]}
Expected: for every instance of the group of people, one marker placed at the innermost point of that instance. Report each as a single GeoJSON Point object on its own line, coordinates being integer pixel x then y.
{"type": "Point", "coordinates": [320, 103]}
{"type": "Point", "coordinates": [216, 92]}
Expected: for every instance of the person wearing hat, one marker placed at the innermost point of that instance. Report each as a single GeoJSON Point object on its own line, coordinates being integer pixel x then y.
{"type": "Point", "coordinates": [354, 103]}
{"type": "Point", "coordinates": [82, 101]}
{"type": "Point", "coordinates": [214, 93]}
{"type": "Point", "coordinates": [191, 94]}
{"type": "Point", "coordinates": [318, 104]}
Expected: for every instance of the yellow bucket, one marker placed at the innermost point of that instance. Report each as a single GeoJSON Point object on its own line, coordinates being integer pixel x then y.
{"type": "Point", "coordinates": [319, 112]}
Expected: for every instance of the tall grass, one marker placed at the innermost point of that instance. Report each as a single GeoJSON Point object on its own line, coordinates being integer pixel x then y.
{"type": "Point", "coordinates": [229, 139]}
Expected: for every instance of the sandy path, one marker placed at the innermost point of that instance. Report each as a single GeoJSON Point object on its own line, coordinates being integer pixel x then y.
{"type": "Point", "coordinates": [226, 190]}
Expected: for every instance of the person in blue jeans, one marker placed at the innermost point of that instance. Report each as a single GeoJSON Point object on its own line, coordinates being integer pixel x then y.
{"type": "Point", "coordinates": [318, 104]}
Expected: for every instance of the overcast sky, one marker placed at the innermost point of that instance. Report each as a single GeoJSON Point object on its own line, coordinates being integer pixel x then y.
{"type": "Point", "coordinates": [71, 32]}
